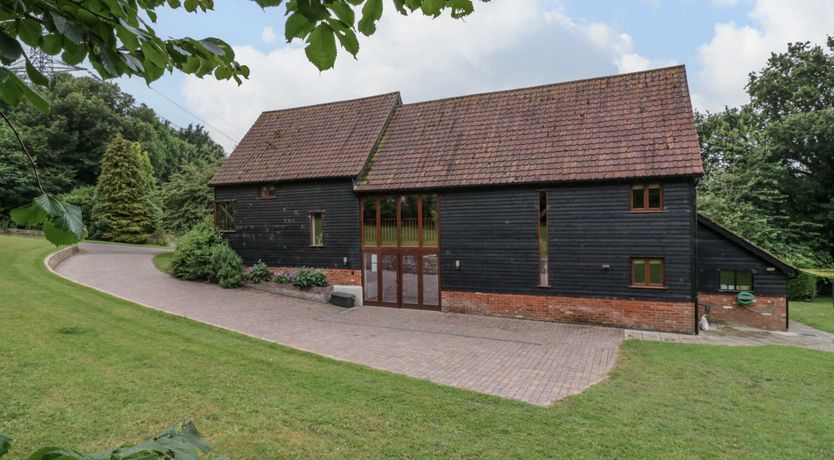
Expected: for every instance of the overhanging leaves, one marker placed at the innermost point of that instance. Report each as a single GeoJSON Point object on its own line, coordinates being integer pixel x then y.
{"type": "Point", "coordinates": [60, 221]}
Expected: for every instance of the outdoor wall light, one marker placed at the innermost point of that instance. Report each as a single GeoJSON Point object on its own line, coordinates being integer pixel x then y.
{"type": "Point", "coordinates": [457, 264]}
{"type": "Point", "coordinates": [606, 267]}
{"type": "Point", "coordinates": [771, 269]}
{"type": "Point", "coordinates": [344, 260]}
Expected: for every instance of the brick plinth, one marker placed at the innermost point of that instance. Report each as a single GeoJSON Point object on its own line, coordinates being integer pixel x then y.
{"type": "Point", "coordinates": [638, 314]}
{"type": "Point", "coordinates": [343, 276]}
{"type": "Point", "coordinates": [764, 313]}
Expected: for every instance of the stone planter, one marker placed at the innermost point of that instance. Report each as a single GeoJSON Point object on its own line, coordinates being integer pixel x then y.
{"type": "Point", "coordinates": [320, 294]}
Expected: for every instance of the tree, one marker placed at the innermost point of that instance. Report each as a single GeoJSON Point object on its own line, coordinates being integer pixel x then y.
{"type": "Point", "coordinates": [769, 165]}
{"type": "Point", "coordinates": [115, 37]}
{"type": "Point", "coordinates": [121, 210]}
{"type": "Point", "coordinates": [187, 199]}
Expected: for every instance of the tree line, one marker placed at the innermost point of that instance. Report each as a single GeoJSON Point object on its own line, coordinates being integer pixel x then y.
{"type": "Point", "coordinates": [69, 145]}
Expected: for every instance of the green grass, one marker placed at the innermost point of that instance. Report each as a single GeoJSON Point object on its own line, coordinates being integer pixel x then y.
{"type": "Point", "coordinates": [819, 313]}
{"type": "Point", "coordinates": [83, 369]}
{"type": "Point", "coordinates": [162, 261]}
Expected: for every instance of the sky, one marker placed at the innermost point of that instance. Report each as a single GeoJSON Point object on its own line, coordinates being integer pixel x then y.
{"type": "Point", "coordinates": [504, 44]}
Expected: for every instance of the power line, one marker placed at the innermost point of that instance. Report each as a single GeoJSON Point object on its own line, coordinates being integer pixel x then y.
{"type": "Point", "coordinates": [193, 115]}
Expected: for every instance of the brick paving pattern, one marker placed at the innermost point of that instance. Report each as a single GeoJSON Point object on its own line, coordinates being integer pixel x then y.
{"type": "Point", "coordinates": [536, 362]}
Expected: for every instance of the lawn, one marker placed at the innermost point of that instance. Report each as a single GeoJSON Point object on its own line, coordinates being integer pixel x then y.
{"type": "Point", "coordinates": [162, 261]}
{"type": "Point", "coordinates": [86, 370]}
{"type": "Point", "coordinates": [819, 313]}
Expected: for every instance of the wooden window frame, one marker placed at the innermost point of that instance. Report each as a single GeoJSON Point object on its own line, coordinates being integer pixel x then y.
{"type": "Point", "coordinates": [648, 284]}
{"type": "Point", "coordinates": [645, 207]}
{"type": "Point", "coordinates": [310, 222]}
{"type": "Point", "coordinates": [261, 195]}
{"type": "Point", "coordinates": [217, 204]}
{"type": "Point", "coordinates": [735, 279]}
{"type": "Point", "coordinates": [539, 237]}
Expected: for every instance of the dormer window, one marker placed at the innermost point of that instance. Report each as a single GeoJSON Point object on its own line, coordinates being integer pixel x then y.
{"type": "Point", "coordinates": [646, 197]}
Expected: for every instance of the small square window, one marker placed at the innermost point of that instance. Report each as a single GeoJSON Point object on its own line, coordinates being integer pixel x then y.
{"type": "Point", "coordinates": [647, 272]}
{"type": "Point", "coordinates": [646, 197]}
{"type": "Point", "coordinates": [317, 228]}
{"type": "Point", "coordinates": [267, 192]}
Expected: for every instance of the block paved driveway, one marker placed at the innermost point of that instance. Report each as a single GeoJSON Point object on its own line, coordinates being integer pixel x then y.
{"type": "Point", "coordinates": [532, 361]}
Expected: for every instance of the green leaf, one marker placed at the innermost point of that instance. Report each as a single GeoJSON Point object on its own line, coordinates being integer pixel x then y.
{"type": "Point", "coordinates": [268, 3]}
{"type": "Point", "coordinates": [73, 54]}
{"type": "Point", "coordinates": [321, 47]}
{"type": "Point", "coordinates": [190, 5]}
{"type": "Point", "coordinates": [57, 236]}
{"type": "Point", "coordinates": [35, 75]}
{"type": "Point", "coordinates": [349, 41]}
{"type": "Point", "coordinates": [433, 7]}
{"type": "Point", "coordinates": [343, 11]}
{"type": "Point", "coordinates": [29, 30]}
{"type": "Point", "coordinates": [371, 13]}
{"type": "Point", "coordinates": [51, 44]}
{"type": "Point", "coordinates": [64, 215]}
{"type": "Point", "coordinates": [10, 49]}
{"type": "Point", "coordinates": [68, 28]}
{"type": "Point", "coordinates": [5, 444]}
{"type": "Point", "coordinates": [461, 8]}
{"type": "Point", "coordinates": [127, 37]}
{"type": "Point", "coordinates": [61, 222]}
{"type": "Point", "coordinates": [30, 215]}
{"type": "Point", "coordinates": [297, 26]}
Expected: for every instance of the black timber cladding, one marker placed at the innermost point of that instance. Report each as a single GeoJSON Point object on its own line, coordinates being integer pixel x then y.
{"type": "Point", "coordinates": [493, 233]}
{"type": "Point", "coordinates": [277, 230]}
{"type": "Point", "coordinates": [717, 252]}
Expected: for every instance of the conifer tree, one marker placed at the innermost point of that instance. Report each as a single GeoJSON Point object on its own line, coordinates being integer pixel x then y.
{"type": "Point", "coordinates": [121, 212]}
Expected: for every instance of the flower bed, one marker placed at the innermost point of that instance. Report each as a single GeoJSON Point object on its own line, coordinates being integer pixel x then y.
{"type": "Point", "coordinates": [316, 294]}
{"type": "Point", "coordinates": [303, 283]}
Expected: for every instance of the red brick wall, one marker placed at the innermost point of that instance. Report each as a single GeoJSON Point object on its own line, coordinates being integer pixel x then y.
{"type": "Point", "coordinates": [764, 313]}
{"type": "Point", "coordinates": [343, 276]}
{"type": "Point", "coordinates": [638, 314]}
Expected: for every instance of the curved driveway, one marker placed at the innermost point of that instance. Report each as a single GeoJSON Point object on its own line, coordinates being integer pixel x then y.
{"type": "Point", "coordinates": [532, 361]}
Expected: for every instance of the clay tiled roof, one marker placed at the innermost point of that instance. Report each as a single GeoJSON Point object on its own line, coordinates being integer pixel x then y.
{"type": "Point", "coordinates": [319, 141]}
{"type": "Point", "coordinates": [618, 127]}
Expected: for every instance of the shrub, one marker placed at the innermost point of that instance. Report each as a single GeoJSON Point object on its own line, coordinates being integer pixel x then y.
{"type": "Point", "coordinates": [803, 287]}
{"type": "Point", "coordinates": [284, 278]}
{"type": "Point", "coordinates": [306, 279]}
{"type": "Point", "coordinates": [260, 272]}
{"type": "Point", "coordinates": [226, 266]}
{"type": "Point", "coordinates": [192, 257]}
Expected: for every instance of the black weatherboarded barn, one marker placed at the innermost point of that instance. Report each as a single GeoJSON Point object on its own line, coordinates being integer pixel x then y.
{"type": "Point", "coordinates": [567, 202]}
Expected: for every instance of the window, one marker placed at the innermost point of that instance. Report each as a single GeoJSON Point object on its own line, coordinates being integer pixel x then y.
{"type": "Point", "coordinates": [735, 280]}
{"type": "Point", "coordinates": [267, 192]}
{"type": "Point", "coordinates": [224, 215]}
{"type": "Point", "coordinates": [647, 272]}
{"type": "Point", "coordinates": [544, 276]}
{"type": "Point", "coordinates": [646, 197]}
{"type": "Point", "coordinates": [317, 228]}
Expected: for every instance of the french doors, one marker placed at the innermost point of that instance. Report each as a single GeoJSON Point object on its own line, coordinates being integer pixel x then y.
{"type": "Point", "coordinates": [400, 257]}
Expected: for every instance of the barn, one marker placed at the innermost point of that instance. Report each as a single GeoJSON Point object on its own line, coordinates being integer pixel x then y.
{"type": "Point", "coordinates": [571, 202]}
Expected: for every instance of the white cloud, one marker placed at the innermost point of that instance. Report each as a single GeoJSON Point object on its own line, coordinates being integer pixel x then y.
{"type": "Point", "coordinates": [268, 35]}
{"type": "Point", "coordinates": [503, 45]}
{"type": "Point", "coordinates": [736, 50]}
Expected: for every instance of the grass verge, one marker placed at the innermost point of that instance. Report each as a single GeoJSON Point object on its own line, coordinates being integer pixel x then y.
{"type": "Point", "coordinates": [83, 369]}
{"type": "Point", "coordinates": [818, 313]}
{"type": "Point", "coordinates": [162, 261]}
